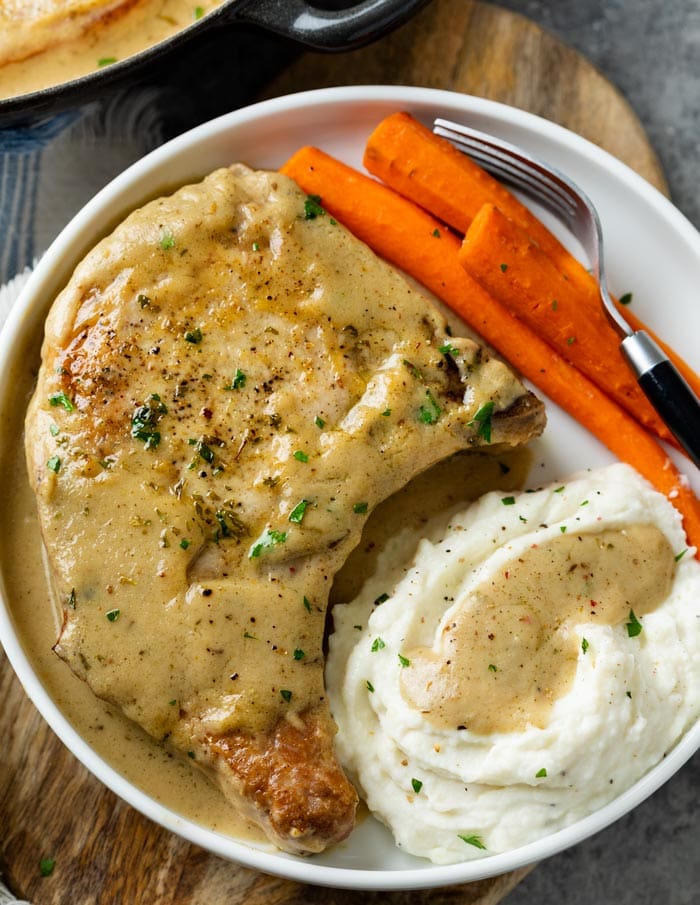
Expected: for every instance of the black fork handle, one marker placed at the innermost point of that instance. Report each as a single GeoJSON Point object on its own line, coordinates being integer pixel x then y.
{"type": "Point", "coordinates": [329, 30]}
{"type": "Point", "coordinates": [667, 391]}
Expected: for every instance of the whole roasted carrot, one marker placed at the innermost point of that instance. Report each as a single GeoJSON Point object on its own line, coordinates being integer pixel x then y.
{"type": "Point", "coordinates": [408, 237]}
{"type": "Point", "coordinates": [500, 255]}
{"type": "Point", "coordinates": [428, 170]}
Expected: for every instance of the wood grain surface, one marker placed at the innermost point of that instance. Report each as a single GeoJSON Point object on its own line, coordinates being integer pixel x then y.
{"type": "Point", "coordinates": [50, 806]}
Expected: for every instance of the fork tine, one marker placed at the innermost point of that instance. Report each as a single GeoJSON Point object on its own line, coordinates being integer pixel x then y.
{"type": "Point", "coordinates": [512, 165]}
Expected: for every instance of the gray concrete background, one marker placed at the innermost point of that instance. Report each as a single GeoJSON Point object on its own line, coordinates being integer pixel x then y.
{"type": "Point", "coordinates": [649, 49]}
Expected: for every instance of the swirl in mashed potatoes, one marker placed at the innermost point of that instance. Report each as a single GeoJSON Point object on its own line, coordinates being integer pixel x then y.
{"type": "Point", "coordinates": [539, 655]}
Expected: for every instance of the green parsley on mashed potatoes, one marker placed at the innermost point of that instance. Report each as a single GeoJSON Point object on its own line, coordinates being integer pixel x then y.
{"type": "Point", "coordinates": [538, 655]}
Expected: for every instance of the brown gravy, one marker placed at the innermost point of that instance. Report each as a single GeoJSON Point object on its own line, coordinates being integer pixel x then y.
{"type": "Point", "coordinates": [511, 652]}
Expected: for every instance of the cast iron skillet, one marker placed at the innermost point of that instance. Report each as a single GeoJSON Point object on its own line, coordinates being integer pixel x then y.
{"type": "Point", "coordinates": [321, 29]}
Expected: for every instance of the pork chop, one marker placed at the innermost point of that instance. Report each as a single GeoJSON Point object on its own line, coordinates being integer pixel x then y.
{"type": "Point", "coordinates": [28, 27]}
{"type": "Point", "coordinates": [230, 383]}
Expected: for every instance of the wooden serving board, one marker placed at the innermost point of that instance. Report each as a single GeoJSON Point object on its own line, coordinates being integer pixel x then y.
{"type": "Point", "coordinates": [49, 804]}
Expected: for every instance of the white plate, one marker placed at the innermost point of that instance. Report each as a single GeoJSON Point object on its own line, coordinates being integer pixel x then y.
{"type": "Point", "coordinates": [651, 250]}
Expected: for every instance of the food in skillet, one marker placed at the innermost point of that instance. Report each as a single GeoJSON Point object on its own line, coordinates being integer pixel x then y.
{"type": "Point", "coordinates": [229, 384]}
{"type": "Point", "coordinates": [28, 27]}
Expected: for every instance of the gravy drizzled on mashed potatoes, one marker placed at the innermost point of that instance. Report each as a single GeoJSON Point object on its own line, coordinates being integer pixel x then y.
{"type": "Point", "coordinates": [485, 744]}
{"type": "Point", "coordinates": [510, 650]}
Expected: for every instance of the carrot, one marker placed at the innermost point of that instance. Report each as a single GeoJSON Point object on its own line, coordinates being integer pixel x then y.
{"type": "Point", "coordinates": [409, 158]}
{"type": "Point", "coordinates": [408, 237]}
{"type": "Point", "coordinates": [502, 257]}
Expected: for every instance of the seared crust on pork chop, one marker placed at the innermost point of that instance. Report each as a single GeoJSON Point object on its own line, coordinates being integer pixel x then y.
{"type": "Point", "coordinates": [230, 384]}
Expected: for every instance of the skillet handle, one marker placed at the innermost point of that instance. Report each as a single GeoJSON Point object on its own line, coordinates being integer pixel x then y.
{"type": "Point", "coordinates": [330, 30]}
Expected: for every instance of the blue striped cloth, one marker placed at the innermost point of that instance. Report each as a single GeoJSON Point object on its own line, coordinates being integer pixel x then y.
{"type": "Point", "coordinates": [50, 168]}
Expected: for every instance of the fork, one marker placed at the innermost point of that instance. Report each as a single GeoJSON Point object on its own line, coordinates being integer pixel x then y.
{"type": "Point", "coordinates": [668, 392]}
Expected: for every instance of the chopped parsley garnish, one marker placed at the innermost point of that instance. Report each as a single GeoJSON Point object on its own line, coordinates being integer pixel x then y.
{"type": "Point", "coordinates": [370, 687]}
{"type": "Point", "coordinates": [238, 382]}
{"type": "Point", "coordinates": [429, 414]}
{"type": "Point", "coordinates": [230, 525]}
{"type": "Point", "coordinates": [436, 233]}
{"type": "Point", "coordinates": [193, 336]}
{"type": "Point", "coordinates": [286, 695]}
{"type": "Point", "coordinates": [319, 422]}
{"type": "Point", "coordinates": [198, 12]}
{"type": "Point", "coordinates": [307, 604]}
{"type": "Point", "coordinates": [298, 653]}
{"type": "Point", "coordinates": [625, 299]}
{"type": "Point", "coordinates": [555, 304]}
{"type": "Point", "coordinates": [584, 645]}
{"type": "Point", "coordinates": [190, 754]}
{"type": "Point", "coordinates": [559, 489]}
{"type": "Point", "coordinates": [679, 556]}
{"type": "Point", "coordinates": [474, 840]}
{"type": "Point", "coordinates": [71, 599]}
{"type": "Point", "coordinates": [203, 450]}
{"type": "Point", "coordinates": [106, 61]}
{"type": "Point", "coordinates": [377, 644]}
{"type": "Point", "coordinates": [145, 419]}
{"type": "Point", "coordinates": [143, 300]}
{"type": "Point", "coordinates": [301, 456]}
{"type": "Point", "coordinates": [493, 667]}
{"type": "Point", "coordinates": [269, 539]}
{"type": "Point", "coordinates": [562, 528]}
{"type": "Point", "coordinates": [379, 600]}
{"type": "Point", "coordinates": [634, 626]}
{"type": "Point", "coordinates": [56, 399]}
{"type": "Point", "coordinates": [504, 267]}
{"type": "Point", "coordinates": [167, 240]}
{"type": "Point", "coordinates": [54, 464]}
{"type": "Point", "coordinates": [312, 207]}
{"type": "Point", "coordinates": [508, 500]}
{"type": "Point", "coordinates": [541, 773]}
{"type": "Point", "coordinates": [404, 661]}
{"type": "Point", "coordinates": [449, 349]}
{"type": "Point", "coordinates": [113, 615]}
{"type": "Point", "coordinates": [297, 514]}
{"type": "Point", "coordinates": [570, 340]}
{"type": "Point", "coordinates": [386, 413]}
{"type": "Point", "coordinates": [360, 508]}
{"type": "Point", "coordinates": [482, 420]}
{"type": "Point", "coordinates": [184, 543]}
{"type": "Point", "coordinates": [46, 866]}
{"type": "Point", "coordinates": [54, 430]}
{"type": "Point", "coordinates": [256, 246]}
{"type": "Point", "coordinates": [412, 369]}
{"type": "Point", "coordinates": [417, 785]}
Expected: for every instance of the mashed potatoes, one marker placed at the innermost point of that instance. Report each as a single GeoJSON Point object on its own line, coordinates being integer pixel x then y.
{"type": "Point", "coordinates": [535, 659]}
